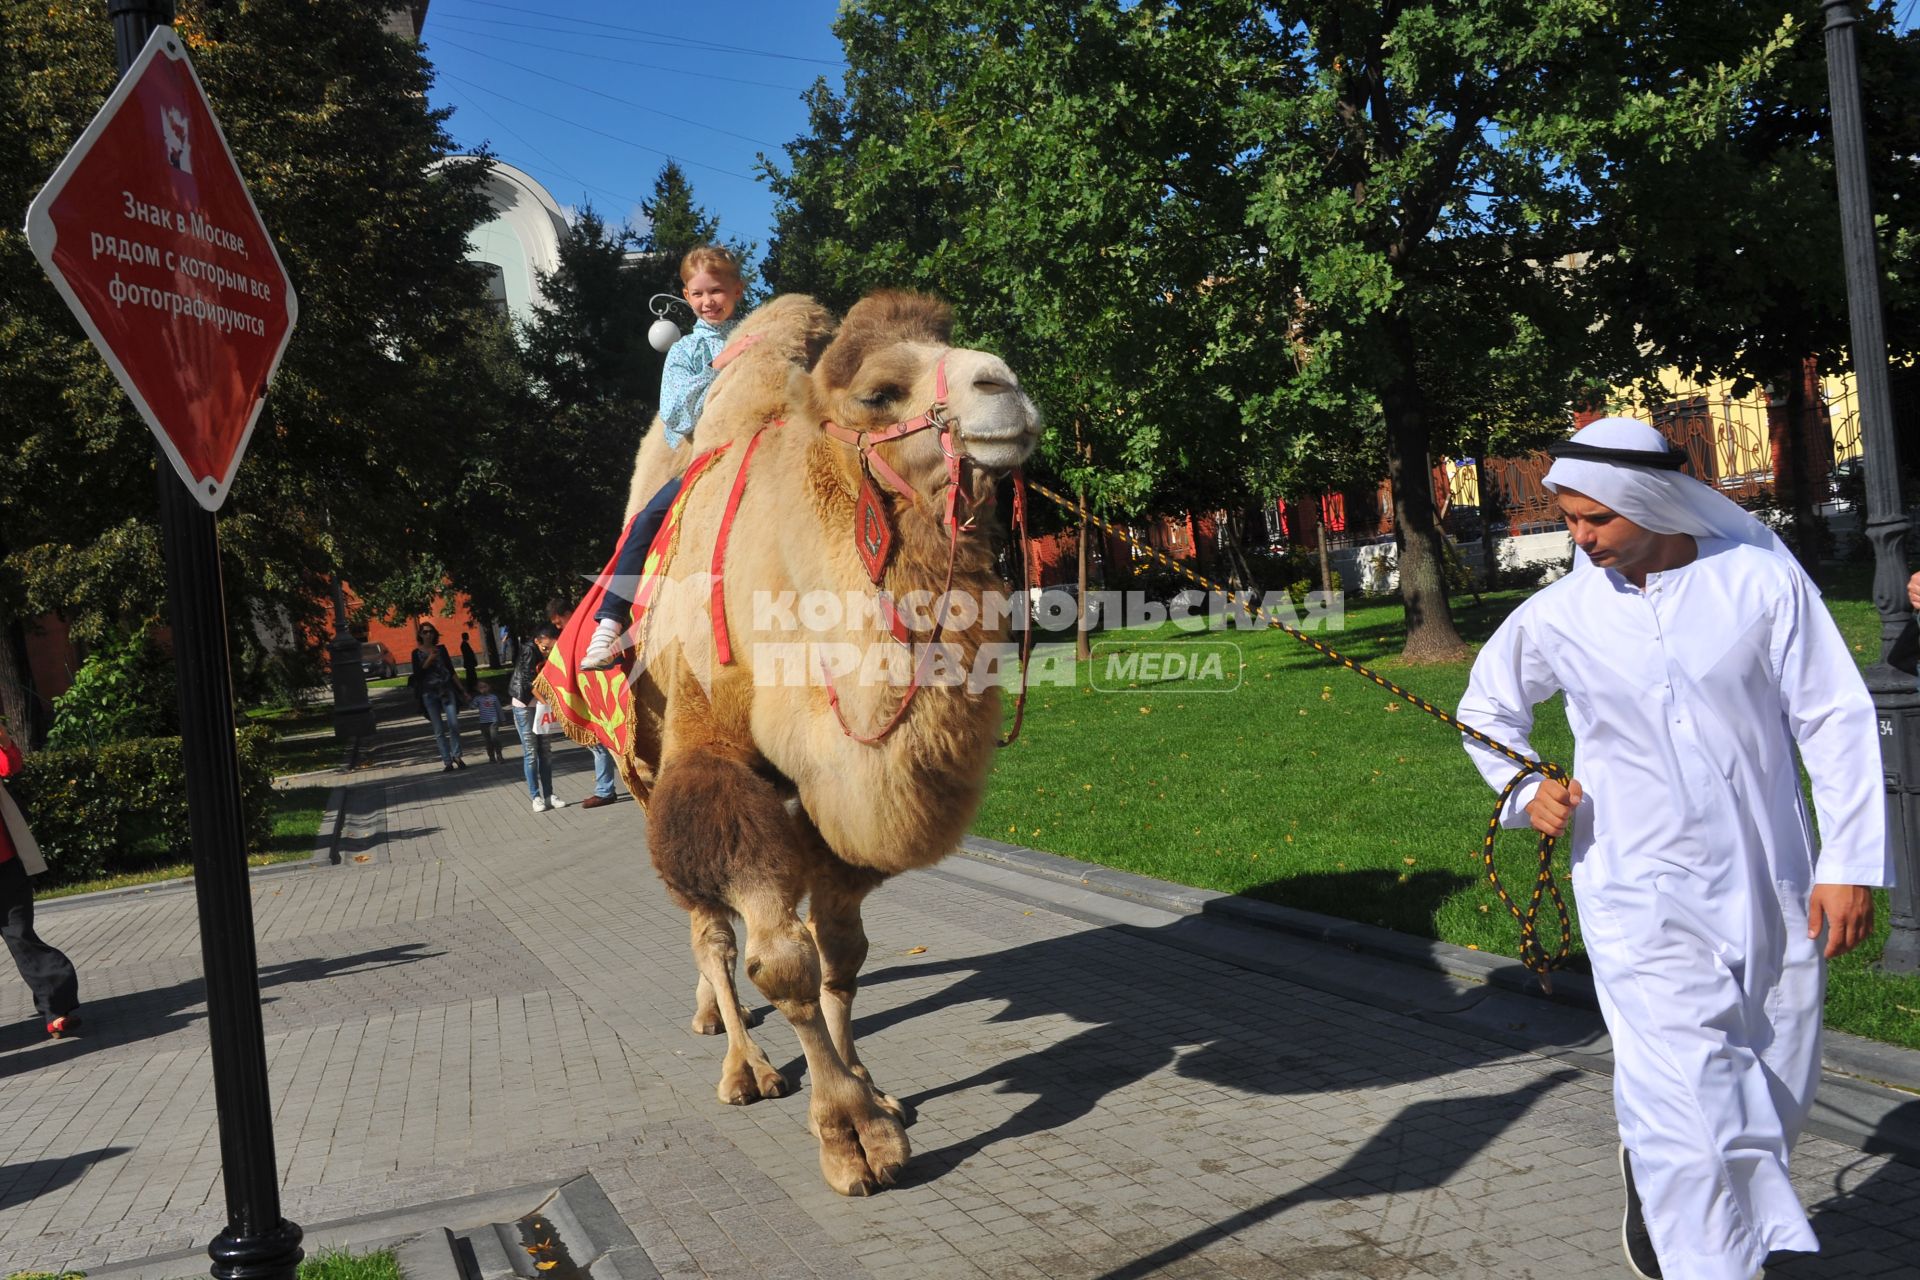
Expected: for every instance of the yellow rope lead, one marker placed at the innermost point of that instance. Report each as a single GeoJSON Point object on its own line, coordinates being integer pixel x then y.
{"type": "Point", "coordinates": [1533, 954]}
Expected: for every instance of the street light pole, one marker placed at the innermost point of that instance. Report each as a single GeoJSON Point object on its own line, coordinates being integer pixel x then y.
{"type": "Point", "coordinates": [258, 1244]}
{"type": "Point", "coordinates": [1894, 696]}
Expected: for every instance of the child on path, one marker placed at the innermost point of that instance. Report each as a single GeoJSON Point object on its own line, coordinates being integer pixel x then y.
{"type": "Point", "coordinates": [48, 972]}
{"type": "Point", "coordinates": [713, 288]}
{"type": "Point", "coordinates": [486, 710]}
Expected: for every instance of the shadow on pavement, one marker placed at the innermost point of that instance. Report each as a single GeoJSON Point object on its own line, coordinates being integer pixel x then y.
{"type": "Point", "coordinates": [132, 1016]}
{"type": "Point", "coordinates": [1860, 1217]}
{"type": "Point", "coordinates": [31, 1179]}
{"type": "Point", "coordinates": [1397, 1160]}
{"type": "Point", "coordinates": [1138, 1017]}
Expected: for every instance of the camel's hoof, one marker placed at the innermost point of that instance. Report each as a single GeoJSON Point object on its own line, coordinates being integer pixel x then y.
{"type": "Point", "coordinates": [891, 1105]}
{"type": "Point", "coordinates": [859, 1159]}
{"type": "Point", "coordinates": [746, 1081]}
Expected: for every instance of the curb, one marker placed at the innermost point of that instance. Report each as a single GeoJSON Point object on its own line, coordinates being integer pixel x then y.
{"type": "Point", "coordinates": [1869, 1060]}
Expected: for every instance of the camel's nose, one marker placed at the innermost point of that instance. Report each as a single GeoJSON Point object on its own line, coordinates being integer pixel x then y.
{"type": "Point", "coordinates": [994, 382]}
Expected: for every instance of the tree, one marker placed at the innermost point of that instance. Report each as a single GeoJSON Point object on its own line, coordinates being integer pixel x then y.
{"type": "Point", "coordinates": [1065, 175]}
{"type": "Point", "coordinates": [326, 113]}
{"type": "Point", "coordinates": [1729, 263]}
{"type": "Point", "coordinates": [540, 504]}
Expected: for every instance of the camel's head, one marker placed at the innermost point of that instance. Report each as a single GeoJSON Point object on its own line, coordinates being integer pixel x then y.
{"type": "Point", "coordinates": [885, 366]}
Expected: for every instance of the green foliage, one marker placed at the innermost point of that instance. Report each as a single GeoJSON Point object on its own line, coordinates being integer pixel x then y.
{"type": "Point", "coordinates": [327, 115]}
{"type": "Point", "coordinates": [123, 806]}
{"type": "Point", "coordinates": [125, 689]}
{"type": "Point", "coordinates": [339, 1264]}
{"type": "Point", "coordinates": [1242, 248]}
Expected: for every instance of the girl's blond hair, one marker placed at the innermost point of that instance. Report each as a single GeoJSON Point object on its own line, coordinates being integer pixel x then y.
{"type": "Point", "coordinates": [710, 257]}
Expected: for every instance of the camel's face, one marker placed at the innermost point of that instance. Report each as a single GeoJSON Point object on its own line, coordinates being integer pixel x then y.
{"type": "Point", "coordinates": [996, 425]}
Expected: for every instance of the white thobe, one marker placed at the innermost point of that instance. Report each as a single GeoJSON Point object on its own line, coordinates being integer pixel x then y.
{"type": "Point", "coordinates": [1692, 863]}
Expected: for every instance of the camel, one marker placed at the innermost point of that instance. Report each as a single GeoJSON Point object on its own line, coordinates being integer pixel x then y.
{"type": "Point", "coordinates": [762, 790]}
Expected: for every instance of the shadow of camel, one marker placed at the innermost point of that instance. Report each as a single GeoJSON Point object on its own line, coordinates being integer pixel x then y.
{"type": "Point", "coordinates": [132, 1016]}
{"type": "Point", "coordinates": [1138, 1016]}
{"type": "Point", "coordinates": [31, 1179]}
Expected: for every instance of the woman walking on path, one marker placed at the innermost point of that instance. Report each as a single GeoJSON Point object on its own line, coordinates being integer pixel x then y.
{"type": "Point", "coordinates": [47, 971]}
{"type": "Point", "coordinates": [534, 753]}
{"type": "Point", "coordinates": [439, 692]}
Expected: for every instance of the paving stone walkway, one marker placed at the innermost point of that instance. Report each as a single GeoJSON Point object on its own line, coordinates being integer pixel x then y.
{"type": "Point", "coordinates": [496, 997]}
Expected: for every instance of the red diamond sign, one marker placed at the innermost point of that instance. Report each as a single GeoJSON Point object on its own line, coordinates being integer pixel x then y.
{"type": "Point", "coordinates": [152, 238]}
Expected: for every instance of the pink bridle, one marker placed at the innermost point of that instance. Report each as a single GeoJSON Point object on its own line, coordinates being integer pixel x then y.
{"type": "Point", "coordinates": [938, 418]}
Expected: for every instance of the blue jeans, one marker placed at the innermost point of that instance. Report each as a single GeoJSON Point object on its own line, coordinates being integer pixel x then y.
{"type": "Point", "coordinates": [617, 605]}
{"type": "Point", "coordinates": [534, 756]}
{"type": "Point", "coordinates": [446, 736]}
{"type": "Point", "coordinates": [605, 777]}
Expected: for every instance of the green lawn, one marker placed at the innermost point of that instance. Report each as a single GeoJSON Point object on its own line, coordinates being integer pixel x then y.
{"type": "Point", "coordinates": [306, 743]}
{"type": "Point", "coordinates": [1311, 787]}
{"type": "Point", "coordinates": [326, 1264]}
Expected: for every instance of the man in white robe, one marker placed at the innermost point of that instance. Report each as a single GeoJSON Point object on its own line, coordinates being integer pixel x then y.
{"type": "Point", "coordinates": [1695, 654]}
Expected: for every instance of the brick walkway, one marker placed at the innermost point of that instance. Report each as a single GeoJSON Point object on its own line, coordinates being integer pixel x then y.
{"type": "Point", "coordinates": [497, 997]}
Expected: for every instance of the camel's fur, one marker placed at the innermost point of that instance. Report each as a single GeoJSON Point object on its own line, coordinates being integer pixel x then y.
{"type": "Point", "coordinates": [723, 755]}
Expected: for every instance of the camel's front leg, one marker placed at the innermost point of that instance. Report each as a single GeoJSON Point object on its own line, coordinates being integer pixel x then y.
{"type": "Point", "coordinates": [862, 1144]}
{"type": "Point", "coordinates": [746, 1075]}
{"type": "Point", "coordinates": [841, 935]}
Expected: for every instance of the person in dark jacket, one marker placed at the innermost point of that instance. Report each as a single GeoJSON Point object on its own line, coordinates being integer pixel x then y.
{"type": "Point", "coordinates": [534, 754]}
{"type": "Point", "coordinates": [47, 971]}
{"type": "Point", "coordinates": [435, 685]}
{"type": "Point", "coordinates": [469, 663]}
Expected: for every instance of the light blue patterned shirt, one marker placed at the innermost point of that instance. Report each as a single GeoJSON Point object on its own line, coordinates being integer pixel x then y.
{"type": "Point", "coordinates": [689, 376]}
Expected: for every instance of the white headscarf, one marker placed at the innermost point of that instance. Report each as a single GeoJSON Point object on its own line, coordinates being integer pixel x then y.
{"type": "Point", "coordinates": [1665, 501]}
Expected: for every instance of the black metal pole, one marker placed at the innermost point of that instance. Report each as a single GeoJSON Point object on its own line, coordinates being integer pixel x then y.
{"type": "Point", "coordinates": [1894, 696]}
{"type": "Point", "coordinates": [258, 1243]}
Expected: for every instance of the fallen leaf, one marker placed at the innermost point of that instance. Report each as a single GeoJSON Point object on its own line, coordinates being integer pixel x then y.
{"type": "Point", "coordinates": [1393, 706]}
{"type": "Point", "coordinates": [916, 951]}
{"type": "Point", "coordinates": [548, 1265]}
{"type": "Point", "coordinates": [1408, 861]}
{"type": "Point", "coordinates": [363, 857]}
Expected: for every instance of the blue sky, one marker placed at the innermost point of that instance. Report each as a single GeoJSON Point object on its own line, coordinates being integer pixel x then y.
{"type": "Point", "coordinates": [592, 96]}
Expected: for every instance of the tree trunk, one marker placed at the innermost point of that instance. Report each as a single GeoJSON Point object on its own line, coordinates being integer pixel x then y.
{"type": "Point", "coordinates": [1800, 467]}
{"type": "Point", "coordinates": [1082, 650]}
{"type": "Point", "coordinates": [19, 701]}
{"type": "Point", "coordinates": [1431, 636]}
{"type": "Point", "coordinates": [1233, 525]}
{"type": "Point", "coordinates": [1490, 516]}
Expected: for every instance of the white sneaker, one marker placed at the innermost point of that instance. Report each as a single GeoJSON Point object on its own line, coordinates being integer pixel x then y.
{"type": "Point", "coordinates": [540, 804]}
{"type": "Point", "coordinates": [555, 802]}
{"type": "Point", "coordinates": [603, 650]}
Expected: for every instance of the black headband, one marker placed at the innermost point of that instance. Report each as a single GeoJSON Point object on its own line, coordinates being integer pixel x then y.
{"type": "Point", "coordinates": [1660, 459]}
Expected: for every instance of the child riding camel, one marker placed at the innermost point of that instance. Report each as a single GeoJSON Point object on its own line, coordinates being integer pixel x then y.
{"type": "Point", "coordinates": [711, 284]}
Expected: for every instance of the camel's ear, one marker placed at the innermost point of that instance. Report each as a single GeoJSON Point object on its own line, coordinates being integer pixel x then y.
{"type": "Point", "coordinates": [879, 320]}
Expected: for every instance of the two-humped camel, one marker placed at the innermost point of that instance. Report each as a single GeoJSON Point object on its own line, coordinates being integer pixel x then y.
{"type": "Point", "coordinates": [758, 795]}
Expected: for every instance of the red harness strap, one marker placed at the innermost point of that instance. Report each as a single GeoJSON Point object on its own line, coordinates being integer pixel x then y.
{"type": "Point", "coordinates": [717, 602]}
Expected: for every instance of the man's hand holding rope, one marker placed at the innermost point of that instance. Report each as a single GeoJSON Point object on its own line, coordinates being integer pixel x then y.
{"type": "Point", "coordinates": [1552, 805]}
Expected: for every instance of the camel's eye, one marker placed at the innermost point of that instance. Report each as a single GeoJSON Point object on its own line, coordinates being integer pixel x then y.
{"type": "Point", "coordinates": [882, 396]}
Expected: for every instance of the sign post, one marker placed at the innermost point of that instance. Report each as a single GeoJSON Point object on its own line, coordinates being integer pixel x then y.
{"type": "Point", "coordinates": [150, 235]}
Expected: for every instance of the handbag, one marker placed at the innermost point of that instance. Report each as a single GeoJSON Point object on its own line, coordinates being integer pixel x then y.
{"type": "Point", "coordinates": [545, 723]}
{"type": "Point", "coordinates": [25, 847]}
